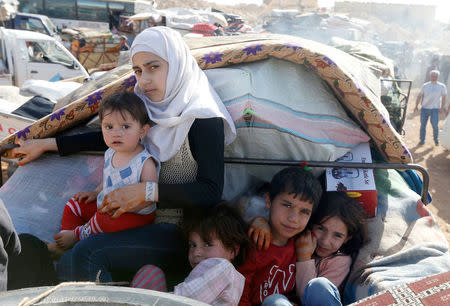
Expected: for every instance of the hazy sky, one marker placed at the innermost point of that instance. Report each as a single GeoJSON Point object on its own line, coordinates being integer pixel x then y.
{"type": "Point", "coordinates": [442, 12]}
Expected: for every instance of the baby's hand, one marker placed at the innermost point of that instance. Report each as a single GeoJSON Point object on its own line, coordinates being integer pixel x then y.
{"type": "Point", "coordinates": [305, 245]}
{"type": "Point", "coordinates": [260, 233]}
{"type": "Point", "coordinates": [86, 196]}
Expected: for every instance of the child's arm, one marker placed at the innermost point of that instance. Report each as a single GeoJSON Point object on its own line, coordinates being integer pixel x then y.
{"type": "Point", "coordinates": [149, 173]}
{"type": "Point", "coordinates": [305, 268]}
{"type": "Point", "coordinates": [259, 232]}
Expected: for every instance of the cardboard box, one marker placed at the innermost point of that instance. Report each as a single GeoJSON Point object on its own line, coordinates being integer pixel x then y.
{"type": "Point", "coordinates": [357, 183]}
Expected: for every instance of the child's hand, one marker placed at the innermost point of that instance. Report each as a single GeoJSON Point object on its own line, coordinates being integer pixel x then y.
{"type": "Point", "coordinates": [86, 196]}
{"type": "Point", "coordinates": [260, 233]}
{"type": "Point", "coordinates": [305, 245]}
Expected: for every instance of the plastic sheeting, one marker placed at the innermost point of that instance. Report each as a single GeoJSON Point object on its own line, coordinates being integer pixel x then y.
{"type": "Point", "coordinates": [36, 194]}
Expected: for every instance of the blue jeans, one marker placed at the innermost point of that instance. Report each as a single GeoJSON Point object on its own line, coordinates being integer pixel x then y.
{"type": "Point", "coordinates": [320, 291]}
{"type": "Point", "coordinates": [434, 119]}
{"type": "Point", "coordinates": [276, 300]}
{"type": "Point", "coordinates": [157, 244]}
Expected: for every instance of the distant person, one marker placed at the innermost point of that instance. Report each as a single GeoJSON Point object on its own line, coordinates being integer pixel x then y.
{"type": "Point", "coordinates": [114, 30]}
{"type": "Point", "coordinates": [434, 66]}
{"type": "Point", "coordinates": [34, 53]}
{"type": "Point", "coordinates": [445, 69]}
{"type": "Point", "coordinates": [123, 44]}
{"type": "Point", "coordinates": [432, 96]}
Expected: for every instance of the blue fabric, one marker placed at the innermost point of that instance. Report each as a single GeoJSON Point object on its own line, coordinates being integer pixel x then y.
{"type": "Point", "coordinates": [320, 291]}
{"type": "Point", "coordinates": [157, 244]}
{"type": "Point", "coordinates": [434, 119]}
{"type": "Point", "coordinates": [406, 243]}
{"type": "Point", "coordinates": [55, 78]}
{"type": "Point", "coordinates": [276, 300]}
{"type": "Point", "coordinates": [414, 182]}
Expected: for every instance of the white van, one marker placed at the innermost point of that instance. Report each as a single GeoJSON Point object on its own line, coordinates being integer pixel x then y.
{"type": "Point", "coordinates": [29, 55]}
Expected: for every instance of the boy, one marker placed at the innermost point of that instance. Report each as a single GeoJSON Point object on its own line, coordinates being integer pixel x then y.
{"type": "Point", "coordinates": [292, 197]}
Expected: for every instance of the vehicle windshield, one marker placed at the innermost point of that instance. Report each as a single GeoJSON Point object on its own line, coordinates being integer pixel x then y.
{"type": "Point", "coordinates": [32, 24]}
{"type": "Point", "coordinates": [52, 28]}
{"type": "Point", "coordinates": [50, 52]}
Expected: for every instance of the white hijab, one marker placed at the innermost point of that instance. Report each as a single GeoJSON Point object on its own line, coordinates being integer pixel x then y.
{"type": "Point", "coordinates": [188, 94]}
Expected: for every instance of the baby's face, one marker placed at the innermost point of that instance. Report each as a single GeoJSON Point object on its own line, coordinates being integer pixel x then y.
{"type": "Point", "coordinates": [200, 250]}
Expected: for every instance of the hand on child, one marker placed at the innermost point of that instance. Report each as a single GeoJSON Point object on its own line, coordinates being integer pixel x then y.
{"type": "Point", "coordinates": [260, 233]}
{"type": "Point", "coordinates": [305, 245]}
{"type": "Point", "coordinates": [85, 196]}
{"type": "Point", "coordinates": [128, 198]}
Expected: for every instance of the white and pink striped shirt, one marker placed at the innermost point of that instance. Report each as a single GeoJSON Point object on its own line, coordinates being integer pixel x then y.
{"type": "Point", "coordinates": [214, 281]}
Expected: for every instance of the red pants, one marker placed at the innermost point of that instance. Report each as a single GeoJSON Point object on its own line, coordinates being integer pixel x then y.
{"type": "Point", "coordinates": [86, 220]}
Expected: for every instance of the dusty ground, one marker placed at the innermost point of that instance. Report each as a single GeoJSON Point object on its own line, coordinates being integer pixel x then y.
{"type": "Point", "coordinates": [436, 160]}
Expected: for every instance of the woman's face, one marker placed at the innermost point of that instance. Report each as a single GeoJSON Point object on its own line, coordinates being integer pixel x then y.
{"type": "Point", "coordinates": [331, 235]}
{"type": "Point", "coordinates": [151, 74]}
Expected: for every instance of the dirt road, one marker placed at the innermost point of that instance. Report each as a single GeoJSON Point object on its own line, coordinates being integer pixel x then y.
{"type": "Point", "coordinates": [436, 160]}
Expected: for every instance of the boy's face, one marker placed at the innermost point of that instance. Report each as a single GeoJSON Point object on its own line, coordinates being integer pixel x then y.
{"type": "Point", "coordinates": [288, 216]}
{"type": "Point", "coordinates": [122, 132]}
{"type": "Point", "coordinates": [200, 250]}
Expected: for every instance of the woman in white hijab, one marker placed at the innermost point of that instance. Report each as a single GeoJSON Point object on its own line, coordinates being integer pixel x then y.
{"type": "Point", "coordinates": [191, 127]}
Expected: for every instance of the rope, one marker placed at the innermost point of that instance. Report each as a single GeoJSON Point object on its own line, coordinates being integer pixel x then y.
{"type": "Point", "coordinates": [27, 302]}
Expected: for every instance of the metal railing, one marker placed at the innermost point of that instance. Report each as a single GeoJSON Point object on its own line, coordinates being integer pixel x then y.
{"type": "Point", "coordinates": [275, 162]}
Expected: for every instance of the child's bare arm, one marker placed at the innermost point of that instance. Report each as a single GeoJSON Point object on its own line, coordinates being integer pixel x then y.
{"type": "Point", "coordinates": [259, 232]}
{"type": "Point", "coordinates": [149, 173]}
{"type": "Point", "coordinates": [305, 245]}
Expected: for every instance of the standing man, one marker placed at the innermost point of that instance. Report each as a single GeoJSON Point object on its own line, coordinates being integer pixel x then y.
{"type": "Point", "coordinates": [123, 43]}
{"type": "Point", "coordinates": [432, 95]}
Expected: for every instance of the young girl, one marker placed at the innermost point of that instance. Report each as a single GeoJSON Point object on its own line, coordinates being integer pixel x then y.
{"type": "Point", "coordinates": [325, 253]}
{"type": "Point", "coordinates": [124, 124]}
{"type": "Point", "coordinates": [217, 245]}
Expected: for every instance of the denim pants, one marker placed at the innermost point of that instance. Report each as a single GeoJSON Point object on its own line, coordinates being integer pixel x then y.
{"type": "Point", "coordinates": [157, 244]}
{"type": "Point", "coordinates": [276, 300]}
{"type": "Point", "coordinates": [320, 291]}
{"type": "Point", "coordinates": [433, 113]}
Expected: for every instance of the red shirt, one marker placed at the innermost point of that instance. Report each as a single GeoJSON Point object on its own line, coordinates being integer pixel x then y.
{"type": "Point", "coordinates": [268, 272]}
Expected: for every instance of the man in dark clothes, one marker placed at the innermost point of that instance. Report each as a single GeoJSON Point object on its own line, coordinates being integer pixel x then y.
{"type": "Point", "coordinates": [33, 267]}
{"type": "Point", "coordinates": [10, 244]}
